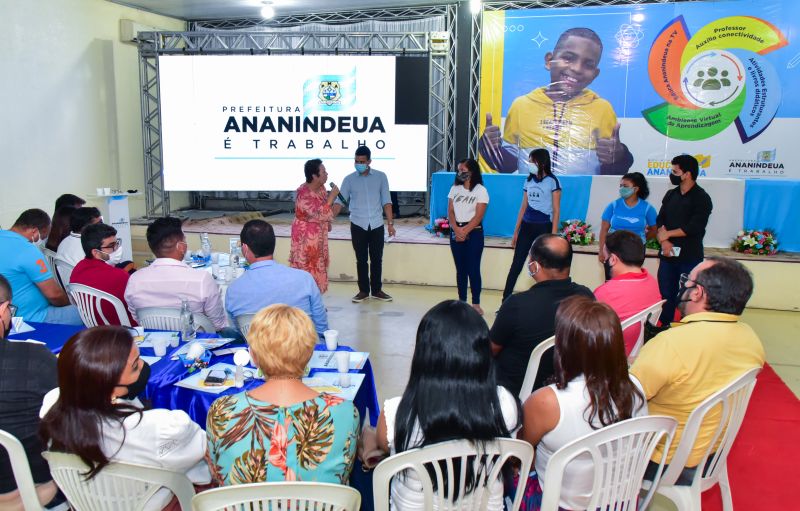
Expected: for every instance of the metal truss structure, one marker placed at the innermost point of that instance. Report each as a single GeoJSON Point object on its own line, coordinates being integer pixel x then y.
{"type": "Point", "coordinates": [212, 40]}
{"type": "Point", "coordinates": [475, 47]}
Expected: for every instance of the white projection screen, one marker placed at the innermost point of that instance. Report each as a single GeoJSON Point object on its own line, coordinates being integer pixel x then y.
{"type": "Point", "coordinates": [249, 123]}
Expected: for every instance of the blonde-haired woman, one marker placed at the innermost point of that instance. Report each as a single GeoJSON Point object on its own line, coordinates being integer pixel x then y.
{"type": "Point", "coordinates": [281, 430]}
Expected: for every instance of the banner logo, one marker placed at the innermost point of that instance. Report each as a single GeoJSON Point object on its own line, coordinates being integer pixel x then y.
{"type": "Point", "coordinates": [329, 93]}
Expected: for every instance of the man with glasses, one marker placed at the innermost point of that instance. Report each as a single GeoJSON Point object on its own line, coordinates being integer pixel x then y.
{"type": "Point", "coordinates": [98, 270]}
{"type": "Point", "coordinates": [38, 295]}
{"type": "Point", "coordinates": [708, 349]}
{"type": "Point", "coordinates": [681, 223]}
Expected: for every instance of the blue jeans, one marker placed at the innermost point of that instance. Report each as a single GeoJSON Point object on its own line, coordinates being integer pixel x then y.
{"type": "Point", "coordinates": [669, 274]}
{"type": "Point", "coordinates": [66, 315]}
{"type": "Point", "coordinates": [467, 256]}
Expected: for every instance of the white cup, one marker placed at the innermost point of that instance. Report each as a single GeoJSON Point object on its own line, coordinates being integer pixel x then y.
{"type": "Point", "coordinates": [139, 331]}
{"type": "Point", "coordinates": [331, 339]}
{"type": "Point", "coordinates": [106, 191]}
{"type": "Point", "coordinates": [174, 341]}
{"type": "Point", "coordinates": [343, 361]}
{"type": "Point", "coordinates": [100, 192]}
{"type": "Point", "coordinates": [160, 347]}
{"type": "Point", "coordinates": [344, 380]}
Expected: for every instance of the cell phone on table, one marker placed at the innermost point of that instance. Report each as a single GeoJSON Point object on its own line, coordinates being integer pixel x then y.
{"type": "Point", "coordinates": [215, 378]}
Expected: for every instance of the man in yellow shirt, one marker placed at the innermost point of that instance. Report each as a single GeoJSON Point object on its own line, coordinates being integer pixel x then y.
{"type": "Point", "coordinates": [577, 126]}
{"type": "Point", "coordinates": [708, 349]}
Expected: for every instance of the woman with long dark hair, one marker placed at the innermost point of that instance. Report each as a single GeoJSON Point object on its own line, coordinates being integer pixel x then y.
{"type": "Point", "coordinates": [592, 390]}
{"type": "Point", "coordinates": [96, 418]}
{"type": "Point", "coordinates": [451, 395]}
{"type": "Point", "coordinates": [466, 206]}
{"type": "Point", "coordinates": [59, 228]}
{"type": "Point", "coordinates": [539, 213]}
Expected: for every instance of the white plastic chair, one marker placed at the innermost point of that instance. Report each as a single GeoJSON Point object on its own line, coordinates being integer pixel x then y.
{"type": "Point", "coordinates": [89, 302]}
{"type": "Point", "coordinates": [732, 402]}
{"type": "Point", "coordinates": [243, 322]}
{"type": "Point", "coordinates": [620, 454]}
{"type": "Point", "coordinates": [533, 367]}
{"type": "Point", "coordinates": [117, 487]}
{"type": "Point", "coordinates": [649, 314]}
{"type": "Point", "coordinates": [64, 272]}
{"type": "Point", "coordinates": [291, 496]}
{"type": "Point", "coordinates": [167, 318]}
{"type": "Point", "coordinates": [22, 471]}
{"type": "Point", "coordinates": [441, 457]}
{"type": "Point", "coordinates": [51, 265]}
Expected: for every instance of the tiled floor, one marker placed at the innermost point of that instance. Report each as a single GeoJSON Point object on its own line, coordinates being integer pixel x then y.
{"type": "Point", "coordinates": [388, 330]}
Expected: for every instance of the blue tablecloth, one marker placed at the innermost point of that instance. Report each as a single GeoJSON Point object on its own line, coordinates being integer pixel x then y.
{"type": "Point", "coordinates": [55, 336]}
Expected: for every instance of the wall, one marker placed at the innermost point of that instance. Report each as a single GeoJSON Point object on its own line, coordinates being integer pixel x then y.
{"type": "Point", "coordinates": [70, 103]}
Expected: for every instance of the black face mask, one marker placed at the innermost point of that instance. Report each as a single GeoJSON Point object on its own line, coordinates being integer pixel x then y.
{"type": "Point", "coordinates": [676, 180]}
{"type": "Point", "coordinates": [137, 388]}
{"type": "Point", "coordinates": [462, 177]}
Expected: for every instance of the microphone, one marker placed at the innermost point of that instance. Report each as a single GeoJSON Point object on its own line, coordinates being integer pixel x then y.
{"type": "Point", "coordinates": [339, 195]}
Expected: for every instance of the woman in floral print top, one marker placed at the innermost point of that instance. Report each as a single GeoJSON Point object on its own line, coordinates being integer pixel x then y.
{"type": "Point", "coordinates": [282, 430]}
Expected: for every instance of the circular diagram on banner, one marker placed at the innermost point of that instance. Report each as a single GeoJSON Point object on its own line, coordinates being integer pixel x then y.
{"type": "Point", "coordinates": [712, 79]}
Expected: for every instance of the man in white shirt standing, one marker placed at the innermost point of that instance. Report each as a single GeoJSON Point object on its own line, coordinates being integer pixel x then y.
{"type": "Point", "coordinates": [367, 193]}
{"type": "Point", "coordinates": [70, 250]}
{"type": "Point", "coordinates": [167, 280]}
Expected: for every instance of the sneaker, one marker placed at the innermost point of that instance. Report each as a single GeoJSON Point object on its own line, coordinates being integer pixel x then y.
{"type": "Point", "coordinates": [380, 295]}
{"type": "Point", "coordinates": [477, 308]}
{"type": "Point", "coordinates": [360, 297]}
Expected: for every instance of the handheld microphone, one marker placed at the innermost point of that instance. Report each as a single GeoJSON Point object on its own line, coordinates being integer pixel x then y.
{"type": "Point", "coordinates": [339, 195]}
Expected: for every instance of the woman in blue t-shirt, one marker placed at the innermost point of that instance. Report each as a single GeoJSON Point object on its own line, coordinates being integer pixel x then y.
{"type": "Point", "coordinates": [538, 213]}
{"type": "Point", "coordinates": [631, 212]}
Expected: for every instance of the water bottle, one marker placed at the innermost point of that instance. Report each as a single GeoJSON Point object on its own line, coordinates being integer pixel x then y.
{"type": "Point", "coordinates": [205, 247]}
{"type": "Point", "coordinates": [238, 378]}
{"type": "Point", "coordinates": [187, 321]}
{"type": "Point", "coordinates": [234, 259]}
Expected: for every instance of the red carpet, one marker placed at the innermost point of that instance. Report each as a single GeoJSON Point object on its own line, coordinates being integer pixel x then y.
{"type": "Point", "coordinates": [763, 462]}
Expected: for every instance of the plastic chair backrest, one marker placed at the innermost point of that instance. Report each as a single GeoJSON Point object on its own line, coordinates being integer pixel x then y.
{"type": "Point", "coordinates": [620, 454]}
{"type": "Point", "coordinates": [650, 313]}
{"type": "Point", "coordinates": [168, 318]}
{"type": "Point", "coordinates": [732, 400]}
{"type": "Point", "coordinates": [51, 265]}
{"type": "Point", "coordinates": [533, 367]}
{"type": "Point", "coordinates": [289, 496]}
{"type": "Point", "coordinates": [441, 458]}
{"type": "Point", "coordinates": [243, 322]}
{"type": "Point", "coordinates": [22, 471]}
{"type": "Point", "coordinates": [89, 302]}
{"type": "Point", "coordinates": [64, 272]}
{"type": "Point", "coordinates": [117, 487]}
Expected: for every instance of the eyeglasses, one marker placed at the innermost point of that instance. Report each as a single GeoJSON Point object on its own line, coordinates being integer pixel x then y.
{"type": "Point", "coordinates": [112, 246]}
{"type": "Point", "coordinates": [684, 279]}
{"type": "Point", "coordinates": [13, 308]}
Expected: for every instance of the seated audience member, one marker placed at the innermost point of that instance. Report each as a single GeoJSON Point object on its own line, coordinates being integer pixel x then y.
{"type": "Point", "coordinates": [528, 318]}
{"type": "Point", "coordinates": [59, 228]}
{"type": "Point", "coordinates": [36, 293]}
{"type": "Point", "coordinates": [452, 394]}
{"type": "Point", "coordinates": [70, 250]}
{"type": "Point", "coordinates": [98, 269]}
{"type": "Point", "coordinates": [708, 349]}
{"type": "Point", "coordinates": [631, 288]}
{"type": "Point", "coordinates": [94, 412]}
{"type": "Point", "coordinates": [167, 280]}
{"type": "Point", "coordinates": [27, 373]}
{"type": "Point", "coordinates": [281, 430]}
{"type": "Point", "coordinates": [70, 200]}
{"type": "Point", "coordinates": [267, 282]}
{"type": "Point", "coordinates": [592, 390]}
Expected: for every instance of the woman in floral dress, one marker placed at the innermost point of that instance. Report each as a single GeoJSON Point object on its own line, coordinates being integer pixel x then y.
{"type": "Point", "coordinates": [312, 222]}
{"type": "Point", "coordinates": [282, 430]}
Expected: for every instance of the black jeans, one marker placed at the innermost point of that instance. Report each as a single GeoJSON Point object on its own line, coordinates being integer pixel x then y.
{"type": "Point", "coordinates": [527, 233]}
{"type": "Point", "coordinates": [467, 256]}
{"type": "Point", "coordinates": [669, 275]}
{"type": "Point", "coordinates": [368, 243]}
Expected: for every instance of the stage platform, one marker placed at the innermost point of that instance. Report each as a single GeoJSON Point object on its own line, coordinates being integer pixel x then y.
{"type": "Point", "coordinates": [415, 256]}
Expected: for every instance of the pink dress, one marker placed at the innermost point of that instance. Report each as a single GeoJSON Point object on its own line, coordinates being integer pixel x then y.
{"type": "Point", "coordinates": [312, 216]}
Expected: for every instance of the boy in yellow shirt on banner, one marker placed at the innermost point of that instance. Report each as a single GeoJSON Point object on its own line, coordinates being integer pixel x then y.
{"type": "Point", "coordinates": [578, 127]}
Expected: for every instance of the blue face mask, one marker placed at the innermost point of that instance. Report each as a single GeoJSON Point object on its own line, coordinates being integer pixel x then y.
{"type": "Point", "coordinates": [361, 167]}
{"type": "Point", "coordinates": [625, 192]}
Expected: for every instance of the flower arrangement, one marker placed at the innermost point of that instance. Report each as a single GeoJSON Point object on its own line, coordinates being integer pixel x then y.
{"type": "Point", "coordinates": [653, 244]}
{"type": "Point", "coordinates": [577, 232]}
{"type": "Point", "coordinates": [441, 227]}
{"type": "Point", "coordinates": [756, 242]}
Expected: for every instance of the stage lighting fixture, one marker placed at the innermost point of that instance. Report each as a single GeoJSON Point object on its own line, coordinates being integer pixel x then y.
{"type": "Point", "coordinates": [475, 6]}
{"type": "Point", "coordinates": [267, 11]}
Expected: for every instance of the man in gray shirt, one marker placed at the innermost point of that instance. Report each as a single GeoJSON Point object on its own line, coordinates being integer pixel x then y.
{"type": "Point", "coordinates": [367, 193]}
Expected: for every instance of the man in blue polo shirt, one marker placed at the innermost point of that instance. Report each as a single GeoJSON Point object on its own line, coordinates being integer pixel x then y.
{"type": "Point", "coordinates": [266, 282]}
{"type": "Point", "coordinates": [36, 293]}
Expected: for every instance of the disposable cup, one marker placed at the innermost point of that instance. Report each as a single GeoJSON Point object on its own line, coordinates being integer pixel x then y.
{"type": "Point", "coordinates": [331, 339]}
{"type": "Point", "coordinates": [139, 331]}
{"type": "Point", "coordinates": [343, 361]}
{"type": "Point", "coordinates": [344, 380]}
{"type": "Point", "coordinates": [160, 347]}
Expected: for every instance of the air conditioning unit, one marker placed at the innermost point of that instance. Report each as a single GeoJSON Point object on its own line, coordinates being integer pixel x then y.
{"type": "Point", "coordinates": [129, 30]}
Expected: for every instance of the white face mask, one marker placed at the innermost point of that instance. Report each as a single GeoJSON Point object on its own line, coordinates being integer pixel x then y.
{"type": "Point", "coordinates": [115, 257]}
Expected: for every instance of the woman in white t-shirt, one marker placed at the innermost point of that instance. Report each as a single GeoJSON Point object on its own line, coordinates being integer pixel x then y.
{"type": "Point", "coordinates": [466, 206]}
{"type": "Point", "coordinates": [592, 390]}
{"type": "Point", "coordinates": [88, 416]}
{"type": "Point", "coordinates": [451, 395]}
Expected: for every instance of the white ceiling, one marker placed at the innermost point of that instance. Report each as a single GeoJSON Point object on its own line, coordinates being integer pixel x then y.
{"type": "Point", "coordinates": [221, 9]}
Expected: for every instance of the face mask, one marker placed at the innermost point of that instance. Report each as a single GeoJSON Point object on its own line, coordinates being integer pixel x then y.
{"type": "Point", "coordinates": [361, 167]}
{"type": "Point", "coordinates": [137, 388]}
{"type": "Point", "coordinates": [625, 192]}
{"type": "Point", "coordinates": [462, 177]}
{"type": "Point", "coordinates": [676, 180]}
{"type": "Point", "coordinates": [526, 167]}
{"type": "Point", "coordinates": [533, 273]}
{"type": "Point", "coordinates": [115, 257]}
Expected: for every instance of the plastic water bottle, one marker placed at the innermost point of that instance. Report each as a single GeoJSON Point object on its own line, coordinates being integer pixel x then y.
{"type": "Point", "coordinates": [187, 321]}
{"type": "Point", "coordinates": [238, 378]}
{"type": "Point", "coordinates": [205, 247]}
